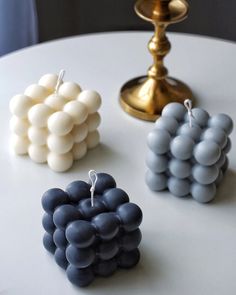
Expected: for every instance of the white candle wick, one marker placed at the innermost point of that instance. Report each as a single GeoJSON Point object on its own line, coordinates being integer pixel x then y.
{"type": "Point", "coordinates": [188, 105]}
{"type": "Point", "coordinates": [93, 177]}
{"type": "Point", "coordinates": [60, 80]}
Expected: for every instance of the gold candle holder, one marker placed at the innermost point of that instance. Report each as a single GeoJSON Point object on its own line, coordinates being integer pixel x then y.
{"type": "Point", "coordinates": [144, 97]}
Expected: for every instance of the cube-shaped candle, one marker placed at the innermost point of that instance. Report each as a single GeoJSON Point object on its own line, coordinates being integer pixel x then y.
{"type": "Point", "coordinates": [188, 151]}
{"type": "Point", "coordinates": [55, 122]}
{"type": "Point", "coordinates": [91, 238]}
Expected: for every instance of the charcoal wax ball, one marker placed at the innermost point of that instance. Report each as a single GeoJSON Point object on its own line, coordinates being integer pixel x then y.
{"type": "Point", "coordinates": [205, 174]}
{"type": "Point", "coordinates": [80, 233]}
{"type": "Point", "coordinates": [175, 110]}
{"type": "Point", "coordinates": [130, 215]}
{"type": "Point", "coordinates": [157, 163]}
{"type": "Point", "coordinates": [221, 160]}
{"type": "Point", "coordinates": [88, 211]}
{"type": "Point", "coordinates": [193, 131]}
{"type": "Point", "coordinates": [167, 123]}
{"type": "Point", "coordinates": [228, 146]}
{"type": "Point", "coordinates": [48, 243]}
{"type": "Point", "coordinates": [156, 181]}
{"type": "Point", "coordinates": [179, 168]}
{"type": "Point", "coordinates": [48, 223]}
{"type": "Point", "coordinates": [203, 193]}
{"type": "Point", "coordinates": [53, 198]}
{"type": "Point", "coordinates": [200, 117]}
{"type": "Point", "coordinates": [60, 258]}
{"type": "Point", "coordinates": [179, 187]}
{"type": "Point", "coordinates": [131, 240]}
{"type": "Point", "coordinates": [78, 257]}
{"type": "Point", "coordinates": [222, 121]}
{"type": "Point", "coordinates": [59, 239]}
{"type": "Point", "coordinates": [182, 147]}
{"type": "Point", "coordinates": [215, 134]}
{"type": "Point", "coordinates": [104, 182]}
{"type": "Point", "coordinates": [159, 141]}
{"type": "Point", "coordinates": [207, 152]}
{"type": "Point", "coordinates": [107, 250]}
{"type": "Point", "coordinates": [128, 259]}
{"type": "Point", "coordinates": [65, 214]}
{"type": "Point", "coordinates": [114, 197]}
{"type": "Point", "coordinates": [105, 268]}
{"type": "Point", "coordinates": [78, 190]}
{"type": "Point", "coordinates": [106, 224]}
{"type": "Point", "coordinates": [80, 277]}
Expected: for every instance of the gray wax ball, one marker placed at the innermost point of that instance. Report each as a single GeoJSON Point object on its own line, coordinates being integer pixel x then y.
{"type": "Point", "coordinates": [178, 187]}
{"type": "Point", "coordinates": [215, 134]}
{"type": "Point", "coordinates": [200, 117]}
{"type": "Point", "coordinates": [205, 174]}
{"type": "Point", "coordinates": [157, 163]}
{"type": "Point", "coordinates": [221, 160]}
{"type": "Point", "coordinates": [156, 181]}
{"type": "Point", "coordinates": [179, 168]}
{"type": "Point", "coordinates": [222, 121]}
{"type": "Point", "coordinates": [207, 152]}
{"type": "Point", "coordinates": [228, 146]}
{"type": "Point", "coordinates": [167, 123]}
{"type": "Point", "coordinates": [203, 193]}
{"type": "Point", "coordinates": [225, 165]}
{"type": "Point", "coordinates": [175, 110]}
{"type": "Point", "coordinates": [159, 141]}
{"type": "Point", "coordinates": [182, 147]}
{"type": "Point", "coordinates": [219, 178]}
{"type": "Point", "coordinates": [193, 131]}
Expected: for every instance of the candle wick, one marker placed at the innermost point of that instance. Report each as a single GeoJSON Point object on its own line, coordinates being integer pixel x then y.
{"type": "Point", "coordinates": [60, 80]}
{"type": "Point", "coordinates": [93, 178]}
{"type": "Point", "coordinates": [188, 105]}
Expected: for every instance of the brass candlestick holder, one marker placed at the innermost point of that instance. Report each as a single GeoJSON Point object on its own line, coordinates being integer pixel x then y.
{"type": "Point", "coordinates": [144, 97]}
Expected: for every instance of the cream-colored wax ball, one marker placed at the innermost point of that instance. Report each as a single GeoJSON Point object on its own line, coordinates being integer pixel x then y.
{"type": "Point", "coordinates": [91, 99]}
{"type": "Point", "coordinates": [77, 111]}
{"type": "Point", "coordinates": [38, 115]}
{"type": "Point", "coordinates": [70, 90]}
{"type": "Point", "coordinates": [60, 123]}
{"type": "Point", "coordinates": [49, 81]}
{"type": "Point", "coordinates": [92, 140]}
{"type": "Point", "coordinates": [38, 135]}
{"type": "Point", "coordinates": [37, 92]}
{"type": "Point", "coordinates": [93, 121]}
{"type": "Point", "coordinates": [20, 144]}
{"type": "Point", "coordinates": [38, 153]}
{"type": "Point", "coordinates": [55, 101]}
{"type": "Point", "coordinates": [79, 150]}
{"type": "Point", "coordinates": [60, 163]}
{"type": "Point", "coordinates": [20, 105]}
{"type": "Point", "coordinates": [80, 132]}
{"type": "Point", "coordinates": [19, 126]}
{"type": "Point", "coordinates": [60, 144]}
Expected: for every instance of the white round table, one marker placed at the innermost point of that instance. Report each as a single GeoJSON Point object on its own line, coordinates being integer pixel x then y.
{"type": "Point", "coordinates": [187, 247]}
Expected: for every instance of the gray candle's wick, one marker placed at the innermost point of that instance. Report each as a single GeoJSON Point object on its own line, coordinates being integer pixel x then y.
{"type": "Point", "coordinates": [93, 178]}
{"type": "Point", "coordinates": [188, 105]}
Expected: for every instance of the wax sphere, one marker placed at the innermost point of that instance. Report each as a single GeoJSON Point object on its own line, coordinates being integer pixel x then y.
{"type": "Point", "coordinates": [193, 131]}
{"type": "Point", "coordinates": [128, 259]}
{"type": "Point", "coordinates": [59, 239]}
{"type": "Point", "coordinates": [60, 123]}
{"type": "Point", "coordinates": [159, 141]}
{"type": "Point", "coordinates": [221, 160]}
{"type": "Point", "coordinates": [228, 146]}
{"type": "Point", "coordinates": [78, 190]}
{"type": "Point", "coordinates": [178, 187]}
{"type": "Point", "coordinates": [39, 114]}
{"type": "Point", "coordinates": [48, 243]}
{"type": "Point", "coordinates": [92, 140]}
{"type": "Point", "coordinates": [91, 99]}
{"type": "Point", "coordinates": [131, 240]}
{"type": "Point", "coordinates": [48, 223]}
{"type": "Point", "coordinates": [60, 144]}
{"type": "Point", "coordinates": [203, 193]}
{"type": "Point", "coordinates": [70, 90]}
{"type": "Point", "coordinates": [37, 92]}
{"type": "Point", "coordinates": [167, 123]}
{"type": "Point", "coordinates": [20, 144]}
{"type": "Point", "coordinates": [130, 215]}
{"type": "Point", "coordinates": [93, 121]}
{"type": "Point", "coordinates": [207, 152]}
{"type": "Point", "coordinates": [157, 163]}
{"type": "Point", "coordinates": [205, 174]}
{"type": "Point", "coordinates": [107, 225]}
{"type": "Point", "coordinates": [104, 182]}
{"type": "Point", "coordinates": [225, 165]}
{"type": "Point", "coordinates": [38, 153]}
{"type": "Point", "coordinates": [49, 81]}
{"type": "Point", "coordinates": [219, 178]}
{"type": "Point", "coordinates": [105, 268]}
{"type": "Point", "coordinates": [215, 134]}
{"type": "Point", "coordinates": [179, 168]}
{"type": "Point", "coordinates": [65, 214]}
{"type": "Point", "coordinates": [222, 121]}
{"type": "Point", "coordinates": [79, 150]}
{"type": "Point", "coordinates": [77, 110]}
{"type": "Point", "coordinates": [60, 163]}
{"type": "Point", "coordinates": [53, 198]}
{"type": "Point", "coordinates": [38, 135]}
{"type": "Point", "coordinates": [156, 181]}
{"type": "Point", "coordinates": [78, 257]}
{"type": "Point", "coordinates": [80, 132]}
{"type": "Point", "coordinates": [114, 197]}
{"type": "Point", "coordinates": [60, 258]}
{"type": "Point", "coordinates": [107, 250]}
{"type": "Point", "coordinates": [56, 101]}
{"type": "Point", "coordinates": [20, 105]}
{"type": "Point", "coordinates": [200, 117]}
{"type": "Point", "coordinates": [88, 211]}
{"type": "Point", "coordinates": [80, 277]}
{"type": "Point", "coordinates": [182, 147]}
{"type": "Point", "coordinates": [174, 110]}
{"type": "Point", "coordinates": [19, 126]}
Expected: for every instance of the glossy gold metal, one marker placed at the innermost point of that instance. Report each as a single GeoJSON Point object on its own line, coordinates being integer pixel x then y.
{"type": "Point", "coordinates": [144, 97]}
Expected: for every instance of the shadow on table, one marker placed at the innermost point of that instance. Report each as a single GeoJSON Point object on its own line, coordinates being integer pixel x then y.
{"type": "Point", "coordinates": [226, 192]}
